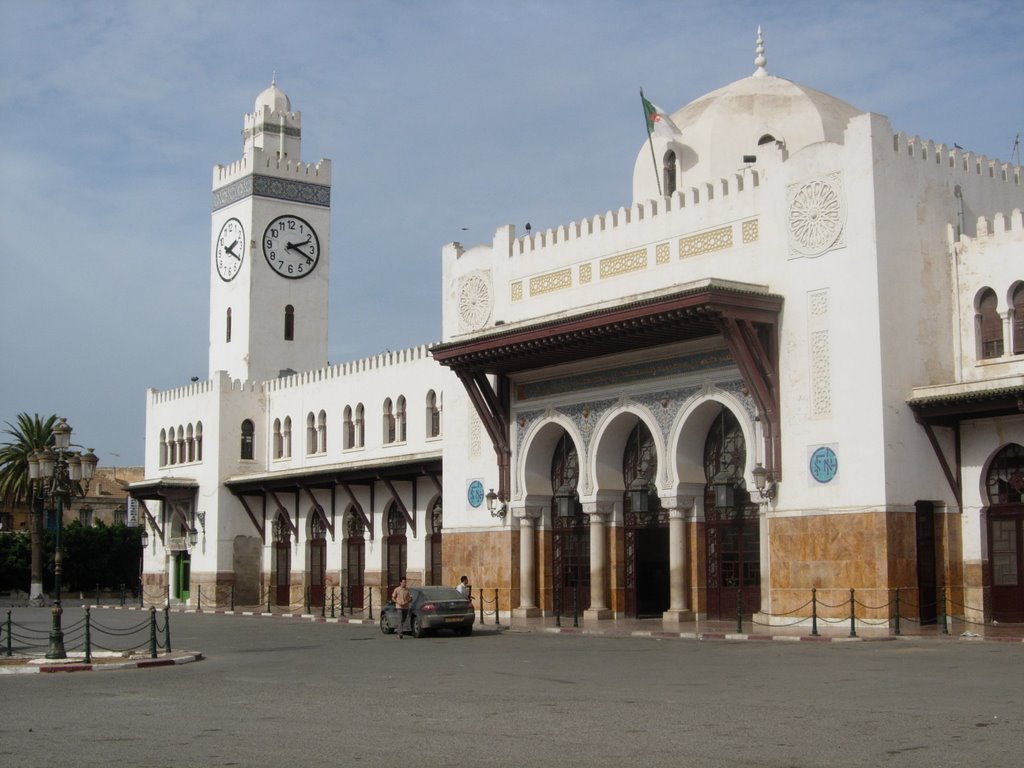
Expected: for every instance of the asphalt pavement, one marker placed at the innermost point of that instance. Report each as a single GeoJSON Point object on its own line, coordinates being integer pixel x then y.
{"type": "Point", "coordinates": [280, 692]}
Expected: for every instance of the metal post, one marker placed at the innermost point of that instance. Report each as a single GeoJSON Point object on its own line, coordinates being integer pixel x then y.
{"type": "Point", "coordinates": [309, 596]}
{"type": "Point", "coordinates": [814, 611]}
{"type": "Point", "coordinates": [122, 595]}
{"type": "Point", "coordinates": [88, 637]}
{"type": "Point", "coordinates": [9, 650]}
{"type": "Point", "coordinates": [332, 602]}
{"type": "Point", "coordinates": [576, 603]}
{"type": "Point", "coordinates": [199, 598]}
{"type": "Point", "coordinates": [152, 631]}
{"type": "Point", "coordinates": [167, 629]}
{"type": "Point", "coordinates": [739, 610]}
{"type": "Point", "coordinates": [323, 604]}
{"type": "Point", "coordinates": [56, 649]}
{"type": "Point", "coordinates": [370, 600]}
{"type": "Point", "coordinates": [232, 597]}
{"type": "Point", "coordinates": [853, 623]}
{"type": "Point", "coordinates": [897, 610]}
{"type": "Point", "coordinates": [481, 607]}
{"type": "Point", "coordinates": [268, 598]}
{"type": "Point", "coordinates": [942, 609]}
{"type": "Point", "coordinates": [97, 594]}
{"type": "Point", "coordinates": [556, 594]}
{"type": "Point", "coordinates": [497, 616]}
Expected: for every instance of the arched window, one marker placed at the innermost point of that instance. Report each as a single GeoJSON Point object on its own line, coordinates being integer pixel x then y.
{"type": "Point", "coordinates": [1005, 479]}
{"type": "Point", "coordinates": [669, 163]}
{"type": "Point", "coordinates": [433, 415]}
{"type": "Point", "coordinates": [321, 431]}
{"type": "Point", "coordinates": [172, 447]}
{"type": "Point", "coordinates": [181, 445]}
{"type": "Point", "coordinates": [360, 440]}
{"type": "Point", "coordinates": [199, 441]}
{"type": "Point", "coordinates": [248, 434]}
{"type": "Point", "coordinates": [287, 437]}
{"type": "Point", "coordinates": [347, 429]}
{"type": "Point", "coordinates": [278, 440]}
{"type": "Point", "coordinates": [1018, 320]}
{"type": "Point", "coordinates": [190, 443]}
{"type": "Point", "coordinates": [289, 323]}
{"type": "Point", "coordinates": [163, 447]}
{"type": "Point", "coordinates": [388, 423]}
{"type": "Point", "coordinates": [400, 430]}
{"type": "Point", "coordinates": [571, 531]}
{"type": "Point", "coordinates": [310, 434]}
{"type": "Point", "coordinates": [990, 325]}
{"type": "Point", "coordinates": [227, 326]}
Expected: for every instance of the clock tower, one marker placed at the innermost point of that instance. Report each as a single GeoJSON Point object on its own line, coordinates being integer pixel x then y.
{"type": "Point", "coordinates": [270, 250]}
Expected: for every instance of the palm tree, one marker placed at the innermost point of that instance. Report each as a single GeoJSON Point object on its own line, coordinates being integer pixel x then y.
{"type": "Point", "coordinates": [31, 433]}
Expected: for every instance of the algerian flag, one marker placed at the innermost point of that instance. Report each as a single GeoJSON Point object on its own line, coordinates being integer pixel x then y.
{"type": "Point", "coordinates": [657, 121]}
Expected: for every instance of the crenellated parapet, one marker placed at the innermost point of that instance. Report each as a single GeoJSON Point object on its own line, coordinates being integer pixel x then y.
{"type": "Point", "coordinates": [992, 233]}
{"type": "Point", "coordinates": [384, 360]}
{"type": "Point", "coordinates": [955, 160]}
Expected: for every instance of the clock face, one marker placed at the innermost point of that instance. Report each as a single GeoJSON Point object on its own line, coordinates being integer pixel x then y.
{"type": "Point", "coordinates": [291, 247]}
{"type": "Point", "coordinates": [230, 249]}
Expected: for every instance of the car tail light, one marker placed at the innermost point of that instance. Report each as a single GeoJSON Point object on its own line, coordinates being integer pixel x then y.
{"type": "Point", "coordinates": [428, 608]}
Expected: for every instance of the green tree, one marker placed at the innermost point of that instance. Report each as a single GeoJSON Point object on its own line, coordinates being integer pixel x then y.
{"type": "Point", "coordinates": [29, 433]}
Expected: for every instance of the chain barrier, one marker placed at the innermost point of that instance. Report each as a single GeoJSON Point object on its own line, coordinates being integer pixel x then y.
{"type": "Point", "coordinates": [88, 635]}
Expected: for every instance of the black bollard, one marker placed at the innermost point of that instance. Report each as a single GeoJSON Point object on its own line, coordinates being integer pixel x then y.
{"type": "Point", "coordinates": [88, 638]}
{"type": "Point", "coordinates": [853, 615]}
{"type": "Point", "coordinates": [814, 612]}
{"type": "Point", "coordinates": [897, 610]}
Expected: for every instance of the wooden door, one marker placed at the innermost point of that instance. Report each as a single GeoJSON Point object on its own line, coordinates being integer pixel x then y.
{"type": "Point", "coordinates": [355, 550]}
{"type": "Point", "coordinates": [282, 573]}
{"type": "Point", "coordinates": [317, 571]}
{"type": "Point", "coordinates": [1006, 545]}
{"type": "Point", "coordinates": [926, 590]}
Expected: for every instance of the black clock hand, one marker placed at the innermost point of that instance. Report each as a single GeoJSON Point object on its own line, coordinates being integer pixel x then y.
{"type": "Point", "coordinates": [297, 248]}
{"type": "Point", "coordinates": [231, 249]}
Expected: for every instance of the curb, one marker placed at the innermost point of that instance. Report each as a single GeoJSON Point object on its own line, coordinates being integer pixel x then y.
{"type": "Point", "coordinates": [28, 668]}
{"type": "Point", "coordinates": [597, 632]}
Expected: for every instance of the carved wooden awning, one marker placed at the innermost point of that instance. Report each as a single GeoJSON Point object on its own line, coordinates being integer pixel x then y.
{"type": "Point", "coordinates": [745, 316]}
{"type": "Point", "coordinates": [949, 406]}
{"type": "Point", "coordinates": [178, 496]}
{"type": "Point", "coordinates": [256, 492]}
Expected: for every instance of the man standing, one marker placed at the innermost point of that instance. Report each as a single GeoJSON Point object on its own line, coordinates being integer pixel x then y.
{"type": "Point", "coordinates": [465, 588]}
{"type": "Point", "coordinates": [402, 598]}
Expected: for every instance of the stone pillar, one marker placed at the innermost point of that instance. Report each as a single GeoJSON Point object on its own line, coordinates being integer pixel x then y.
{"type": "Point", "coordinates": [598, 569]}
{"type": "Point", "coordinates": [527, 564]}
{"type": "Point", "coordinates": [678, 610]}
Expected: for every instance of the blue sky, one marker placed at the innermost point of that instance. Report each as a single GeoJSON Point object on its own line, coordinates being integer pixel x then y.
{"type": "Point", "coordinates": [437, 116]}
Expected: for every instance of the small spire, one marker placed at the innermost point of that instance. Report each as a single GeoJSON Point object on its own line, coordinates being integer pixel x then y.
{"type": "Point", "coordinates": [760, 60]}
{"type": "Point", "coordinates": [273, 78]}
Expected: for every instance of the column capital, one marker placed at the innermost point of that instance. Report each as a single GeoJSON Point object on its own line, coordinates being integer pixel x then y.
{"type": "Point", "coordinates": [527, 514]}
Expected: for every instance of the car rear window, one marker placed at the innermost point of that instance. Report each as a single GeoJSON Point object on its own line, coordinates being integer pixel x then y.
{"type": "Point", "coordinates": [441, 593]}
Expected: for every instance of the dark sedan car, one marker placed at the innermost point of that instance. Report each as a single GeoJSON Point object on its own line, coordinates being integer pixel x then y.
{"type": "Point", "coordinates": [432, 608]}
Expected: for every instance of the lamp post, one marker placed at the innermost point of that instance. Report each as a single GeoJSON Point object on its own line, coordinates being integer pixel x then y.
{"type": "Point", "coordinates": [54, 475]}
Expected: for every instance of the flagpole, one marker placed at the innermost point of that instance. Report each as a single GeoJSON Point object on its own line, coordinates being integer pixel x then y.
{"type": "Point", "coordinates": [650, 142]}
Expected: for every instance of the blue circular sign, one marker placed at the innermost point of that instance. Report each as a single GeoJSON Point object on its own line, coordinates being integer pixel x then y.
{"type": "Point", "coordinates": [475, 493]}
{"type": "Point", "coordinates": [824, 464]}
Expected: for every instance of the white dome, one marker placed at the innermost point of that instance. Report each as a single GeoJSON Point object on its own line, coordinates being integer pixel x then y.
{"type": "Point", "coordinates": [719, 128]}
{"type": "Point", "coordinates": [274, 98]}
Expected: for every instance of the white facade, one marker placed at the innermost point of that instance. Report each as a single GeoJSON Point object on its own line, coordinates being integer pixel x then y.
{"type": "Point", "coordinates": [797, 308]}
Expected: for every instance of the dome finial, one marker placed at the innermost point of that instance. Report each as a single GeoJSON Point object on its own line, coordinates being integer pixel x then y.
{"type": "Point", "coordinates": [760, 60]}
{"type": "Point", "coordinates": [273, 77]}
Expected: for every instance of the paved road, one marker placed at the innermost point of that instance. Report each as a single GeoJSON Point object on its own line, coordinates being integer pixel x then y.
{"type": "Point", "coordinates": [285, 692]}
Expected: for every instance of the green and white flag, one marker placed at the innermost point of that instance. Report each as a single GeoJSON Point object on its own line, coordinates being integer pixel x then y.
{"type": "Point", "coordinates": [658, 122]}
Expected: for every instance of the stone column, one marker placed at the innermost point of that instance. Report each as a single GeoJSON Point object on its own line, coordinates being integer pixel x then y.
{"type": "Point", "coordinates": [527, 564]}
{"type": "Point", "coordinates": [678, 610]}
{"type": "Point", "coordinates": [598, 569]}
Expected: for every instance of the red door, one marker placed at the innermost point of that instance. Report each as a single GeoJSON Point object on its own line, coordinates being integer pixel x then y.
{"type": "Point", "coordinates": [1006, 545]}
{"type": "Point", "coordinates": [317, 571]}
{"type": "Point", "coordinates": [355, 549]}
{"type": "Point", "coordinates": [283, 573]}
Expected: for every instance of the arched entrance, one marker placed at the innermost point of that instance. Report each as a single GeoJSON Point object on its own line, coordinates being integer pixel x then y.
{"type": "Point", "coordinates": [282, 561]}
{"type": "Point", "coordinates": [570, 545]}
{"type": "Point", "coordinates": [1004, 484]}
{"type": "Point", "coordinates": [733, 538]}
{"type": "Point", "coordinates": [355, 560]}
{"type": "Point", "coordinates": [397, 548]}
{"type": "Point", "coordinates": [645, 528]}
{"type": "Point", "coordinates": [436, 524]}
{"type": "Point", "coordinates": [317, 560]}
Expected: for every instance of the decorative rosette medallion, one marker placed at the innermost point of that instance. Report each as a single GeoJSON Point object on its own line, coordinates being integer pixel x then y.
{"type": "Point", "coordinates": [475, 300]}
{"type": "Point", "coordinates": [817, 216]}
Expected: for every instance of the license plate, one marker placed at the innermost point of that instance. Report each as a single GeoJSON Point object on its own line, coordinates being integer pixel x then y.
{"type": "Point", "coordinates": [453, 619]}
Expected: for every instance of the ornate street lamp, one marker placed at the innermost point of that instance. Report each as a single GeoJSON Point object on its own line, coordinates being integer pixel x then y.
{"type": "Point", "coordinates": [764, 481]}
{"type": "Point", "coordinates": [56, 475]}
{"type": "Point", "coordinates": [492, 505]}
